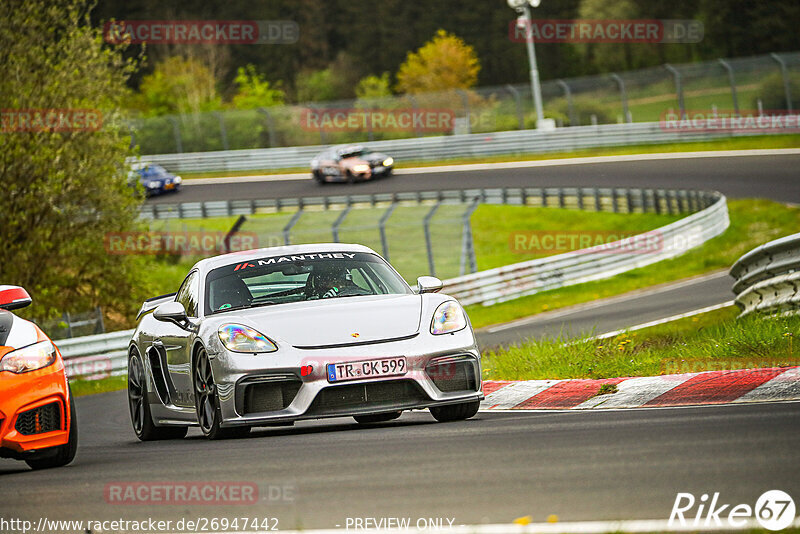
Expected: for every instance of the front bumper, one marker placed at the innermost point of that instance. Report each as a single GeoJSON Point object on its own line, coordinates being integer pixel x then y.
{"type": "Point", "coordinates": [34, 410]}
{"type": "Point", "coordinates": [270, 388]}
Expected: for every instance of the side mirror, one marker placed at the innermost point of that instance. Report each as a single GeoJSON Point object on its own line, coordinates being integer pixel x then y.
{"type": "Point", "coordinates": [172, 312]}
{"type": "Point", "coordinates": [428, 284]}
{"type": "Point", "coordinates": [13, 298]}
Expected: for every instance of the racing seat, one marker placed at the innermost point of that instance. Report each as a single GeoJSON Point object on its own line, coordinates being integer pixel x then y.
{"type": "Point", "coordinates": [230, 290]}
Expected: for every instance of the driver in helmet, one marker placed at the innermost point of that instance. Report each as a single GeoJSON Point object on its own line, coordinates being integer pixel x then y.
{"type": "Point", "coordinates": [331, 280]}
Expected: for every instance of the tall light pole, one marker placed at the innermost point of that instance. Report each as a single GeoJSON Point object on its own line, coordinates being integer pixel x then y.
{"type": "Point", "coordinates": [523, 7]}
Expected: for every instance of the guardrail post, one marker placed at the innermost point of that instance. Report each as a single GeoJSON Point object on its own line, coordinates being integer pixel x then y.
{"type": "Point", "coordinates": [629, 197]}
{"type": "Point", "coordinates": [626, 114]}
{"type": "Point", "coordinates": [597, 205]}
{"type": "Point", "coordinates": [732, 81]}
{"type": "Point", "coordinates": [292, 222]}
{"type": "Point", "coordinates": [270, 127]}
{"type": "Point", "coordinates": [518, 103]}
{"type": "Point", "coordinates": [786, 86]}
{"type": "Point", "coordinates": [656, 201]}
{"type": "Point", "coordinates": [679, 196]}
{"type": "Point", "coordinates": [223, 133]}
{"type": "Point", "coordinates": [614, 200]}
{"type": "Point", "coordinates": [426, 224]}
{"type": "Point", "coordinates": [678, 88]}
{"type": "Point", "coordinates": [561, 203]}
{"type": "Point", "coordinates": [382, 228]}
{"type": "Point", "coordinates": [340, 220]}
{"type": "Point", "coordinates": [544, 197]}
{"type": "Point", "coordinates": [580, 198]}
{"type": "Point", "coordinates": [573, 120]}
{"type": "Point", "coordinates": [101, 327]}
{"type": "Point", "coordinates": [176, 131]}
{"type": "Point", "coordinates": [467, 244]}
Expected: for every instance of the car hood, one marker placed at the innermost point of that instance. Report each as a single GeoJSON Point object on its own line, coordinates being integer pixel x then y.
{"type": "Point", "coordinates": [340, 321]}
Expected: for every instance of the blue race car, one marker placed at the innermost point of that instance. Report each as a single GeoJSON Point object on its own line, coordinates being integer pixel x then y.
{"type": "Point", "coordinates": [155, 179]}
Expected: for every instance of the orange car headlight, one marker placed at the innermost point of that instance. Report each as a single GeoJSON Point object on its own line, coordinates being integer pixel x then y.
{"type": "Point", "coordinates": [29, 358]}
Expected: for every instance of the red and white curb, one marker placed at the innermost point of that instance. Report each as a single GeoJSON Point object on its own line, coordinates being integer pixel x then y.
{"type": "Point", "coordinates": [712, 387]}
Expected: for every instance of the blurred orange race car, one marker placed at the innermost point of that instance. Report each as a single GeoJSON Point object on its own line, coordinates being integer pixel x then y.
{"type": "Point", "coordinates": [37, 412]}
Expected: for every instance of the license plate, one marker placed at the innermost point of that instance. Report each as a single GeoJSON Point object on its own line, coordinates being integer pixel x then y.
{"type": "Point", "coordinates": [340, 372]}
{"type": "Point", "coordinates": [169, 186]}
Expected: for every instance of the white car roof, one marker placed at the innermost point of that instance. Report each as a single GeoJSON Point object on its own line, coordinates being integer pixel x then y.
{"type": "Point", "coordinates": [208, 264]}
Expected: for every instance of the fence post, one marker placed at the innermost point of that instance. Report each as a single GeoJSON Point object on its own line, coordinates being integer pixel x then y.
{"type": "Point", "coordinates": [467, 245]}
{"type": "Point", "coordinates": [426, 222]}
{"type": "Point", "coordinates": [623, 95]}
{"type": "Point", "coordinates": [518, 103]}
{"type": "Point", "coordinates": [573, 121]}
{"type": "Point", "coordinates": [66, 318]}
{"type": "Point", "coordinates": [235, 228]}
{"type": "Point", "coordinates": [732, 81]}
{"type": "Point", "coordinates": [101, 327]}
{"type": "Point", "coordinates": [465, 100]}
{"type": "Point", "coordinates": [678, 88]}
{"type": "Point", "coordinates": [293, 221]}
{"type": "Point", "coordinates": [382, 228]}
{"type": "Point", "coordinates": [176, 131]}
{"type": "Point", "coordinates": [223, 133]}
{"type": "Point", "coordinates": [270, 126]}
{"type": "Point", "coordinates": [339, 221]}
{"type": "Point", "coordinates": [786, 86]}
{"type": "Point", "coordinates": [415, 108]}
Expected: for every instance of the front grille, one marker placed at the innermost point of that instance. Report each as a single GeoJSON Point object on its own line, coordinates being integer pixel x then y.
{"type": "Point", "coordinates": [39, 420]}
{"type": "Point", "coordinates": [269, 396]}
{"type": "Point", "coordinates": [375, 395]}
{"type": "Point", "coordinates": [450, 375]}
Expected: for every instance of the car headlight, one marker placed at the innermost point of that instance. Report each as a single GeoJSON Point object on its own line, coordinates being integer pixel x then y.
{"type": "Point", "coordinates": [29, 358]}
{"type": "Point", "coordinates": [388, 162]}
{"type": "Point", "coordinates": [177, 179]}
{"type": "Point", "coordinates": [153, 185]}
{"type": "Point", "coordinates": [361, 168]}
{"type": "Point", "coordinates": [239, 338]}
{"type": "Point", "coordinates": [448, 317]}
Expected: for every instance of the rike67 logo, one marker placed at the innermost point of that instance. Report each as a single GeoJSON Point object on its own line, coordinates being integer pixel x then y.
{"type": "Point", "coordinates": [774, 510]}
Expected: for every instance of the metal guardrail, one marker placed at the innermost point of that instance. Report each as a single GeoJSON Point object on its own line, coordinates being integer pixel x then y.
{"type": "Point", "coordinates": [450, 146]}
{"type": "Point", "coordinates": [100, 355]}
{"type": "Point", "coordinates": [96, 356]}
{"type": "Point", "coordinates": [596, 263]}
{"type": "Point", "coordinates": [768, 277]}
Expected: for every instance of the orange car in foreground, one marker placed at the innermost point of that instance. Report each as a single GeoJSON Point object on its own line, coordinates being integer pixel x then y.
{"type": "Point", "coordinates": [37, 412]}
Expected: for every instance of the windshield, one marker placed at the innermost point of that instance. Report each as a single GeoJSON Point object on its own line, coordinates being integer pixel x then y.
{"type": "Point", "coordinates": [300, 277]}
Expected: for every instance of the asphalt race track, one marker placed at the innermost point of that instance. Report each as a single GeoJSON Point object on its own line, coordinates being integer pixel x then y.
{"type": "Point", "coordinates": [615, 313]}
{"type": "Point", "coordinates": [493, 468]}
{"type": "Point", "coordinates": [603, 465]}
{"type": "Point", "coordinates": [774, 177]}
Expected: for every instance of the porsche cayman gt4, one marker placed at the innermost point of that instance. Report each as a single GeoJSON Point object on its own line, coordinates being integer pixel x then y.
{"type": "Point", "coordinates": [282, 334]}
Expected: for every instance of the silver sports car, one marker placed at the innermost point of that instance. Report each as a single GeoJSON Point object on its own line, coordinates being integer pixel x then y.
{"type": "Point", "coordinates": [276, 335]}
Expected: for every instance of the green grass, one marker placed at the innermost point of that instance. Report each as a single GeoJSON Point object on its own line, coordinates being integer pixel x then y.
{"type": "Point", "coordinates": [493, 227]}
{"type": "Point", "coordinates": [733, 143]}
{"type": "Point", "coordinates": [89, 387]}
{"type": "Point", "coordinates": [753, 223]}
{"type": "Point", "coordinates": [713, 341]}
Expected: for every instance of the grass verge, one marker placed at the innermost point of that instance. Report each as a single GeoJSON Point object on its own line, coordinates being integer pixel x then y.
{"type": "Point", "coordinates": [712, 341]}
{"type": "Point", "coordinates": [735, 143]}
{"type": "Point", "coordinates": [753, 223]}
{"type": "Point", "coordinates": [104, 385]}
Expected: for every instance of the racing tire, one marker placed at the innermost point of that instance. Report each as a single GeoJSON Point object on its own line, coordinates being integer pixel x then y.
{"type": "Point", "coordinates": [455, 412]}
{"type": "Point", "coordinates": [319, 178]}
{"type": "Point", "coordinates": [63, 454]}
{"type": "Point", "coordinates": [139, 407]}
{"type": "Point", "coordinates": [377, 417]}
{"type": "Point", "coordinates": [351, 179]}
{"type": "Point", "coordinates": [209, 414]}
